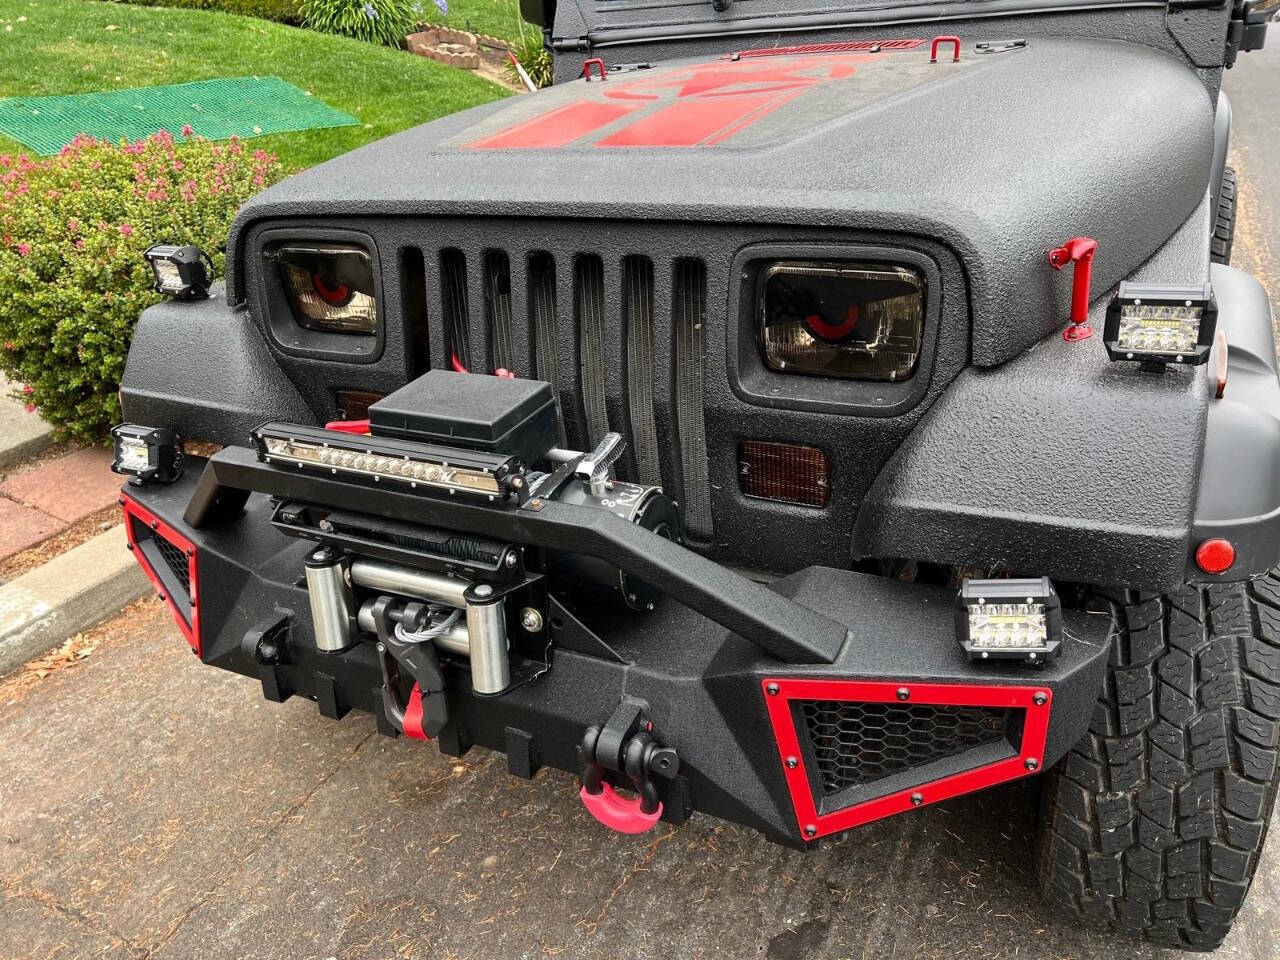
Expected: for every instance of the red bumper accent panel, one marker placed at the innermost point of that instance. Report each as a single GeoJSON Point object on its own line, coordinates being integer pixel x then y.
{"type": "Point", "coordinates": [1035, 702]}
{"type": "Point", "coordinates": [619, 814]}
{"type": "Point", "coordinates": [413, 716]}
{"type": "Point", "coordinates": [188, 623]}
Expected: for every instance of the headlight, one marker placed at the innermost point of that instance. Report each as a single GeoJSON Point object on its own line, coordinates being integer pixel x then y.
{"type": "Point", "coordinates": [853, 320]}
{"type": "Point", "coordinates": [329, 288]}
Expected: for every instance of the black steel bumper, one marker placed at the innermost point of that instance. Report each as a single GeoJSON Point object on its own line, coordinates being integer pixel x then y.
{"type": "Point", "coordinates": [738, 677]}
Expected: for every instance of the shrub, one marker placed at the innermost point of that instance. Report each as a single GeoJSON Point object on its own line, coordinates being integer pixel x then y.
{"type": "Point", "coordinates": [534, 56]}
{"type": "Point", "coordinates": [284, 11]}
{"type": "Point", "coordinates": [378, 21]}
{"type": "Point", "coordinates": [72, 277]}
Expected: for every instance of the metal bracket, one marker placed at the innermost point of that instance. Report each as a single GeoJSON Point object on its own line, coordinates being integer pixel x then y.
{"type": "Point", "coordinates": [426, 705]}
{"type": "Point", "coordinates": [596, 468]}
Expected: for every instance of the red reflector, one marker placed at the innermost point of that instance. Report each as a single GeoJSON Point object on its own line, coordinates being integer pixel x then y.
{"type": "Point", "coordinates": [1215, 556]}
{"type": "Point", "coordinates": [784, 472]}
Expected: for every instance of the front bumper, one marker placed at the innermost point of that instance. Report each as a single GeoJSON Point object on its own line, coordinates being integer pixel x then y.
{"type": "Point", "coordinates": [801, 708]}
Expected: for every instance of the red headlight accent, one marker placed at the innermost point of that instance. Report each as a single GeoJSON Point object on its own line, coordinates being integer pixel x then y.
{"type": "Point", "coordinates": [337, 295]}
{"type": "Point", "coordinates": [1215, 556]}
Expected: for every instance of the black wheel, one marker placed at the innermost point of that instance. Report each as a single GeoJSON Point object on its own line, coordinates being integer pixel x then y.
{"type": "Point", "coordinates": [1224, 230]}
{"type": "Point", "coordinates": [1153, 824]}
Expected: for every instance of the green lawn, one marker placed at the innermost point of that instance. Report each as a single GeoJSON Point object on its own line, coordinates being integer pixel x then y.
{"type": "Point", "coordinates": [82, 46]}
{"type": "Point", "coordinates": [494, 18]}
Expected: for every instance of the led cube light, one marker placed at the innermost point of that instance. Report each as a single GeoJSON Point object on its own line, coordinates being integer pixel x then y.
{"type": "Point", "coordinates": [1009, 620]}
{"type": "Point", "coordinates": [1161, 324]}
{"type": "Point", "coordinates": [147, 455]}
{"type": "Point", "coordinates": [180, 272]}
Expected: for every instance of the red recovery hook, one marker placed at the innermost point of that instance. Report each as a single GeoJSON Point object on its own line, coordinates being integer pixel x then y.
{"type": "Point", "coordinates": [1079, 251]}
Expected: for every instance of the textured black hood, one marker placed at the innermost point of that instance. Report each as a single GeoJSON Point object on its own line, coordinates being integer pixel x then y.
{"type": "Point", "coordinates": [1002, 157]}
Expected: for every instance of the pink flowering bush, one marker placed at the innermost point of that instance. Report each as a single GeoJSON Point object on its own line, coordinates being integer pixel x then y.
{"type": "Point", "coordinates": [72, 277]}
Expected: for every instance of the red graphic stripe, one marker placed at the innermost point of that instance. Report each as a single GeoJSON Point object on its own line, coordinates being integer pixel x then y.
{"type": "Point", "coordinates": [559, 127]}
{"type": "Point", "coordinates": [687, 123]}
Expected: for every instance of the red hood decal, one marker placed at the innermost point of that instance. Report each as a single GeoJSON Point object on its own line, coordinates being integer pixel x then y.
{"type": "Point", "coordinates": [689, 106]}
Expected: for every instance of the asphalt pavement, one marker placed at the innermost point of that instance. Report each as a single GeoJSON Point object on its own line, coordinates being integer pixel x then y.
{"type": "Point", "coordinates": [151, 808]}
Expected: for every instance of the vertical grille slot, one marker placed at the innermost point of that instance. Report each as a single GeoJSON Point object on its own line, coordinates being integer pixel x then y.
{"type": "Point", "coordinates": [588, 297]}
{"type": "Point", "coordinates": [413, 301]}
{"type": "Point", "coordinates": [689, 311]}
{"type": "Point", "coordinates": [542, 308]}
{"type": "Point", "coordinates": [637, 315]}
{"type": "Point", "coordinates": [456, 304]}
{"type": "Point", "coordinates": [497, 301]}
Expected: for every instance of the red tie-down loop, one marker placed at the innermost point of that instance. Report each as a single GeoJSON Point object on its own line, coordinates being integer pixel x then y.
{"type": "Point", "coordinates": [1079, 251]}
{"type": "Point", "coordinates": [595, 62]}
{"type": "Point", "coordinates": [938, 41]}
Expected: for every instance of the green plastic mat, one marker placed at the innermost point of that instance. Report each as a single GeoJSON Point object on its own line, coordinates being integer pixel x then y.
{"type": "Point", "coordinates": [216, 109]}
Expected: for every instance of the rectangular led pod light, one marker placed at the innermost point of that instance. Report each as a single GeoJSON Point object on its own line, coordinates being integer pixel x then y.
{"type": "Point", "coordinates": [401, 463]}
{"type": "Point", "coordinates": [1161, 324]}
{"type": "Point", "coordinates": [1009, 620]}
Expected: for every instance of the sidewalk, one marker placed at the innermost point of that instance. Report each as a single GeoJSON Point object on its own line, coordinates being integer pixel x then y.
{"type": "Point", "coordinates": [63, 563]}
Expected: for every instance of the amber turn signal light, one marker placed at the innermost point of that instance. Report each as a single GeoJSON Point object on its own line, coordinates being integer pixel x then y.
{"type": "Point", "coordinates": [785, 473]}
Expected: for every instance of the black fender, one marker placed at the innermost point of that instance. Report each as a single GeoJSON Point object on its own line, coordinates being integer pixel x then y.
{"type": "Point", "coordinates": [1238, 497]}
{"type": "Point", "coordinates": [201, 368]}
{"type": "Point", "coordinates": [1064, 464]}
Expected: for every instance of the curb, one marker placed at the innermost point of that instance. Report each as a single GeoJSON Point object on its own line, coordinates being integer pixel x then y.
{"type": "Point", "coordinates": [24, 434]}
{"type": "Point", "coordinates": [72, 592]}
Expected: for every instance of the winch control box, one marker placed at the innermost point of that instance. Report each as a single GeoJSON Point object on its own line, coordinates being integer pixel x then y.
{"type": "Point", "coordinates": [496, 415]}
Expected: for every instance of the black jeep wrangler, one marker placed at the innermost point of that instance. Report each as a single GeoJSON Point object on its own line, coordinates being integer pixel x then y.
{"type": "Point", "coordinates": [801, 413]}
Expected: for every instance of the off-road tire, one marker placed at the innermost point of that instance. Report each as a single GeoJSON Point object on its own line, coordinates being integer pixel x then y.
{"type": "Point", "coordinates": [1153, 823]}
{"type": "Point", "coordinates": [1224, 230]}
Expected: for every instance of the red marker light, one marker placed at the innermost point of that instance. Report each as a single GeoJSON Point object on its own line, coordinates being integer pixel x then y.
{"type": "Point", "coordinates": [1215, 556]}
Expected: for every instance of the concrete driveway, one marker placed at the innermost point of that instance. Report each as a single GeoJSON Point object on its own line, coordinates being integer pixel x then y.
{"type": "Point", "coordinates": [151, 808]}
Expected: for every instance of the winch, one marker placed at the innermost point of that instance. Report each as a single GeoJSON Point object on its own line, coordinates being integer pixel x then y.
{"type": "Point", "coordinates": [430, 596]}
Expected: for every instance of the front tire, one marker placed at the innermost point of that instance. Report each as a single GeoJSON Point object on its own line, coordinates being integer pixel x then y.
{"type": "Point", "coordinates": [1153, 824]}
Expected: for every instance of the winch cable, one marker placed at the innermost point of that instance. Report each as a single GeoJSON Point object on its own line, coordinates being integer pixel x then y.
{"type": "Point", "coordinates": [426, 636]}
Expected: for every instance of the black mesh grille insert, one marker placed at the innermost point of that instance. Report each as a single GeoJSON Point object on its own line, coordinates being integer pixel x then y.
{"type": "Point", "coordinates": [689, 308]}
{"type": "Point", "coordinates": [497, 297]}
{"type": "Point", "coordinates": [588, 295]}
{"type": "Point", "coordinates": [176, 560]}
{"type": "Point", "coordinates": [457, 307]}
{"type": "Point", "coordinates": [857, 743]}
{"type": "Point", "coordinates": [637, 306]}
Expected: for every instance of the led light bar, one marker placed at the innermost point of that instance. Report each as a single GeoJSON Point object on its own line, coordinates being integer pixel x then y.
{"type": "Point", "coordinates": [379, 460]}
{"type": "Point", "coordinates": [146, 455]}
{"type": "Point", "coordinates": [1009, 620]}
{"type": "Point", "coordinates": [1161, 324]}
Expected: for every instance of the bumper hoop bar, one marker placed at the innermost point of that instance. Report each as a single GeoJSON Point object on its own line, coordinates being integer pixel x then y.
{"type": "Point", "coordinates": [782, 628]}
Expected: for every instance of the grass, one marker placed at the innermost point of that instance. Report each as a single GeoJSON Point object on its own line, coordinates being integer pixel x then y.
{"type": "Point", "coordinates": [493, 18]}
{"type": "Point", "coordinates": [82, 46]}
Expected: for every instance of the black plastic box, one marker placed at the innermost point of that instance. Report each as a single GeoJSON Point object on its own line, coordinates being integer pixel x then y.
{"type": "Point", "coordinates": [494, 414]}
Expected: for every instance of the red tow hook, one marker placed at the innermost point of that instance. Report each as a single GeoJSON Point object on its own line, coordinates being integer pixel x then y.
{"type": "Point", "coordinates": [617, 813]}
{"type": "Point", "coordinates": [625, 744]}
{"type": "Point", "coordinates": [413, 716]}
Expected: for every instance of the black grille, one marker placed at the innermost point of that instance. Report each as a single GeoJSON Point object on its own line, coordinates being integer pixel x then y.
{"type": "Point", "coordinates": [620, 336]}
{"type": "Point", "coordinates": [637, 316]}
{"type": "Point", "coordinates": [497, 300]}
{"type": "Point", "coordinates": [858, 743]}
{"type": "Point", "coordinates": [588, 306]}
{"type": "Point", "coordinates": [456, 303]}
